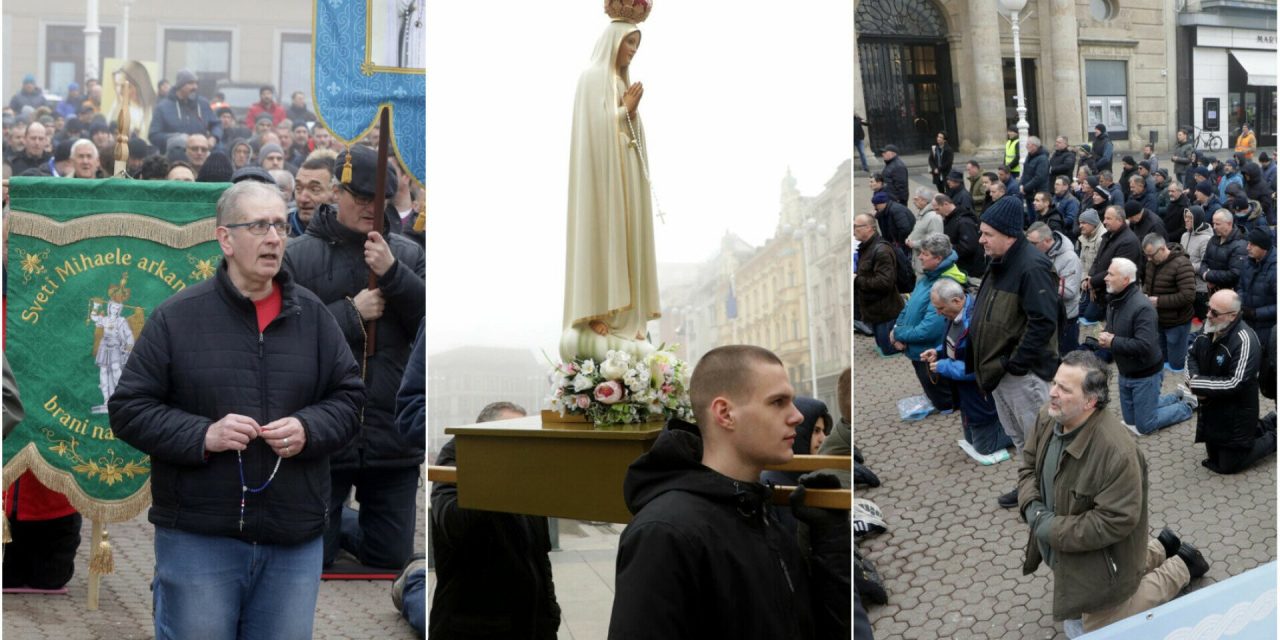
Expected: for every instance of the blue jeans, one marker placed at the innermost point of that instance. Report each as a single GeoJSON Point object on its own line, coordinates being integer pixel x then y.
{"type": "Point", "coordinates": [381, 534]}
{"type": "Point", "coordinates": [415, 601]}
{"type": "Point", "coordinates": [1173, 345]}
{"type": "Point", "coordinates": [862, 155]}
{"type": "Point", "coordinates": [221, 588]}
{"type": "Point", "coordinates": [1142, 405]}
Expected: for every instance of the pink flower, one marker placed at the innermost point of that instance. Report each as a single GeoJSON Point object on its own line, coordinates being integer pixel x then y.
{"type": "Point", "coordinates": [582, 401]}
{"type": "Point", "coordinates": [666, 388]}
{"type": "Point", "coordinates": [608, 392]}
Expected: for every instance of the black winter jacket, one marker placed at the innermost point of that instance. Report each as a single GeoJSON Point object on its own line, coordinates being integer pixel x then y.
{"type": "Point", "coordinates": [1015, 319]}
{"type": "Point", "coordinates": [896, 222]}
{"type": "Point", "coordinates": [1062, 163]}
{"type": "Point", "coordinates": [1224, 259]}
{"type": "Point", "coordinates": [698, 538]}
{"type": "Point", "coordinates": [1136, 346]}
{"type": "Point", "coordinates": [1258, 292]}
{"type": "Point", "coordinates": [1114, 245]}
{"type": "Point", "coordinates": [1224, 374]}
{"type": "Point", "coordinates": [1174, 225]}
{"type": "Point", "coordinates": [493, 571]}
{"type": "Point", "coordinates": [329, 260]}
{"type": "Point", "coordinates": [172, 115]}
{"type": "Point", "coordinates": [201, 357]}
{"type": "Point", "coordinates": [895, 180]}
{"type": "Point", "coordinates": [962, 229]}
{"type": "Point", "coordinates": [1035, 175]}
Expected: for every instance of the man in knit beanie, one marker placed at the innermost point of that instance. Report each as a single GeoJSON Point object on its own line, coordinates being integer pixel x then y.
{"type": "Point", "coordinates": [1015, 335]}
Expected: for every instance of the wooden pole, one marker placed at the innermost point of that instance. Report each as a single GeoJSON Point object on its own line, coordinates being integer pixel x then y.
{"type": "Point", "coordinates": [94, 578]}
{"type": "Point", "coordinates": [379, 211]}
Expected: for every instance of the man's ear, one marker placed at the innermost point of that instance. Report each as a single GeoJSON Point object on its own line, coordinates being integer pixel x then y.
{"type": "Point", "coordinates": [722, 413]}
{"type": "Point", "coordinates": [224, 240]}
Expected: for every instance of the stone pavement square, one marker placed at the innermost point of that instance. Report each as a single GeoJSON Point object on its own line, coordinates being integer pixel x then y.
{"type": "Point", "coordinates": [346, 609]}
{"type": "Point", "coordinates": [951, 559]}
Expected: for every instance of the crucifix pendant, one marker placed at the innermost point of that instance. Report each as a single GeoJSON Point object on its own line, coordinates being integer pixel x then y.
{"type": "Point", "coordinates": [662, 215]}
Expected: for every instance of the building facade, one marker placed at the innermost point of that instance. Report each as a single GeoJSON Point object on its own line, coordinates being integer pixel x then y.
{"type": "Point", "coordinates": [925, 66]}
{"type": "Point", "coordinates": [791, 295]}
{"type": "Point", "coordinates": [1227, 56]}
{"type": "Point", "coordinates": [462, 381]}
{"type": "Point", "coordinates": [47, 40]}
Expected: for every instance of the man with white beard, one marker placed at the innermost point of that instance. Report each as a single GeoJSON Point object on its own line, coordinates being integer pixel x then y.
{"type": "Point", "coordinates": [1223, 365]}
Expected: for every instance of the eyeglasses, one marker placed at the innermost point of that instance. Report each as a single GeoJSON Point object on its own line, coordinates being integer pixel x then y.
{"type": "Point", "coordinates": [363, 201]}
{"type": "Point", "coordinates": [260, 227]}
{"type": "Point", "coordinates": [1214, 313]}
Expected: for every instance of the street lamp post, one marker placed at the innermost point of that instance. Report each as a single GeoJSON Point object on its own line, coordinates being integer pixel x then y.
{"type": "Point", "coordinates": [124, 29]}
{"type": "Point", "coordinates": [91, 32]}
{"type": "Point", "coordinates": [1013, 7]}
{"type": "Point", "coordinates": [804, 233]}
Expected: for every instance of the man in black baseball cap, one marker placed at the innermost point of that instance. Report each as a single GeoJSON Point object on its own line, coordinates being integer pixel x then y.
{"type": "Point", "coordinates": [333, 259]}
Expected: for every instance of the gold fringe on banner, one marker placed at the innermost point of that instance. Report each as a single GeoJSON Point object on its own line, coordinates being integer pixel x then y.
{"type": "Point", "coordinates": [100, 560]}
{"type": "Point", "coordinates": [104, 225]}
{"type": "Point", "coordinates": [29, 459]}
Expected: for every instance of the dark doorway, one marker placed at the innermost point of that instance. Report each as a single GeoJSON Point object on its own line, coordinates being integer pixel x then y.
{"type": "Point", "coordinates": [906, 73]}
{"type": "Point", "coordinates": [1249, 103]}
{"type": "Point", "coordinates": [1011, 95]}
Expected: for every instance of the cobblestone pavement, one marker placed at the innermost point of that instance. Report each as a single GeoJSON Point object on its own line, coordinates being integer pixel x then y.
{"type": "Point", "coordinates": [346, 609]}
{"type": "Point", "coordinates": [952, 558]}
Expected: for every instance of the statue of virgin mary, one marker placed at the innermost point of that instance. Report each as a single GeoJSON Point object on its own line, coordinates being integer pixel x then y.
{"type": "Point", "coordinates": [611, 280]}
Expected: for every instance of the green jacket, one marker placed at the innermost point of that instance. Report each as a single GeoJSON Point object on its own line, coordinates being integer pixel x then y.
{"type": "Point", "coordinates": [1099, 530]}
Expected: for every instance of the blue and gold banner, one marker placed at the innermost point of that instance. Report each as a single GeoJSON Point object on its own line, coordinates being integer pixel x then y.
{"type": "Point", "coordinates": [368, 55]}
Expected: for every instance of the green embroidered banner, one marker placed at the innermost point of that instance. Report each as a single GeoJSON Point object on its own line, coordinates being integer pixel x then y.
{"type": "Point", "coordinates": [88, 261]}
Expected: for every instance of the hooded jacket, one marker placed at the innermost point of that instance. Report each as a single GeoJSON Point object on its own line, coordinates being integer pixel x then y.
{"type": "Point", "coordinates": [1173, 282]}
{"type": "Point", "coordinates": [1089, 247]}
{"type": "Point", "coordinates": [1223, 370]}
{"type": "Point", "coordinates": [1174, 225]}
{"type": "Point", "coordinates": [1067, 265]}
{"type": "Point", "coordinates": [1195, 242]}
{"type": "Point", "coordinates": [176, 384]}
{"type": "Point", "coordinates": [329, 260]}
{"type": "Point", "coordinates": [492, 570]}
{"type": "Point", "coordinates": [704, 557]}
{"type": "Point", "coordinates": [920, 326]}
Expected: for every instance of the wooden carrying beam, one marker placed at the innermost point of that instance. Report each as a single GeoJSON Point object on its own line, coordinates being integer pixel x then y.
{"type": "Point", "coordinates": [821, 498]}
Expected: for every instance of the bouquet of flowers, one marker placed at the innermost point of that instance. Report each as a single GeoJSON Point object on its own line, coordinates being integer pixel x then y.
{"type": "Point", "coordinates": [621, 390]}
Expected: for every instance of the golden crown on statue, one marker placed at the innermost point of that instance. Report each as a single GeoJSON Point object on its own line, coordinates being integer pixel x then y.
{"type": "Point", "coordinates": [119, 292]}
{"type": "Point", "coordinates": [633, 11]}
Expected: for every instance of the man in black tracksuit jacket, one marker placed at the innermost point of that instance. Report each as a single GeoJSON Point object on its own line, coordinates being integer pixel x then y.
{"type": "Point", "coordinates": [705, 556]}
{"type": "Point", "coordinates": [242, 380]}
{"type": "Point", "coordinates": [383, 465]}
{"type": "Point", "coordinates": [1223, 368]}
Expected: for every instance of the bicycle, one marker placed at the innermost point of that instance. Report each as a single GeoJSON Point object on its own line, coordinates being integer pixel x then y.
{"type": "Point", "coordinates": [1207, 139]}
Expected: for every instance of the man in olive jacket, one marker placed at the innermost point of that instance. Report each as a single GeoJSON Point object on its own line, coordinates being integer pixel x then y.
{"type": "Point", "coordinates": [1015, 325]}
{"type": "Point", "coordinates": [333, 259]}
{"type": "Point", "coordinates": [1083, 492]}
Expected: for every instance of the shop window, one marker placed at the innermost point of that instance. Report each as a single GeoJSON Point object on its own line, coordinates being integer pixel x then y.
{"type": "Point", "coordinates": [207, 53]}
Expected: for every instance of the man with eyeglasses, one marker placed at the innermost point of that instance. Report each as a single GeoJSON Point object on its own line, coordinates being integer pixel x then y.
{"type": "Point", "coordinates": [240, 388]}
{"type": "Point", "coordinates": [1223, 367]}
{"type": "Point", "coordinates": [334, 258]}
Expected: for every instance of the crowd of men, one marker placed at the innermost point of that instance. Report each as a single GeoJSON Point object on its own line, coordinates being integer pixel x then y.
{"type": "Point", "coordinates": [193, 139]}
{"type": "Point", "coordinates": [1168, 271]}
{"type": "Point", "coordinates": [247, 471]}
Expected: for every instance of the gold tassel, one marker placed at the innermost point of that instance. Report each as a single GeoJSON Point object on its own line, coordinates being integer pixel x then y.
{"type": "Point", "coordinates": [346, 170]}
{"type": "Point", "coordinates": [100, 560]}
{"type": "Point", "coordinates": [6, 536]}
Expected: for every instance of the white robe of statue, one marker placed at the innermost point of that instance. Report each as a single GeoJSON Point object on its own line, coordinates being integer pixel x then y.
{"type": "Point", "coordinates": [610, 268]}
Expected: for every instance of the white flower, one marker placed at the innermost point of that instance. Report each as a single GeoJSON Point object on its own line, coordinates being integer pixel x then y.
{"type": "Point", "coordinates": [588, 366]}
{"type": "Point", "coordinates": [582, 383]}
{"type": "Point", "coordinates": [614, 368]}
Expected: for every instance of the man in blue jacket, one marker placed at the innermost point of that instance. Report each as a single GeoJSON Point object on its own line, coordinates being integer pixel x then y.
{"type": "Point", "coordinates": [919, 327]}
{"type": "Point", "coordinates": [1258, 286]}
{"type": "Point", "coordinates": [183, 111]}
